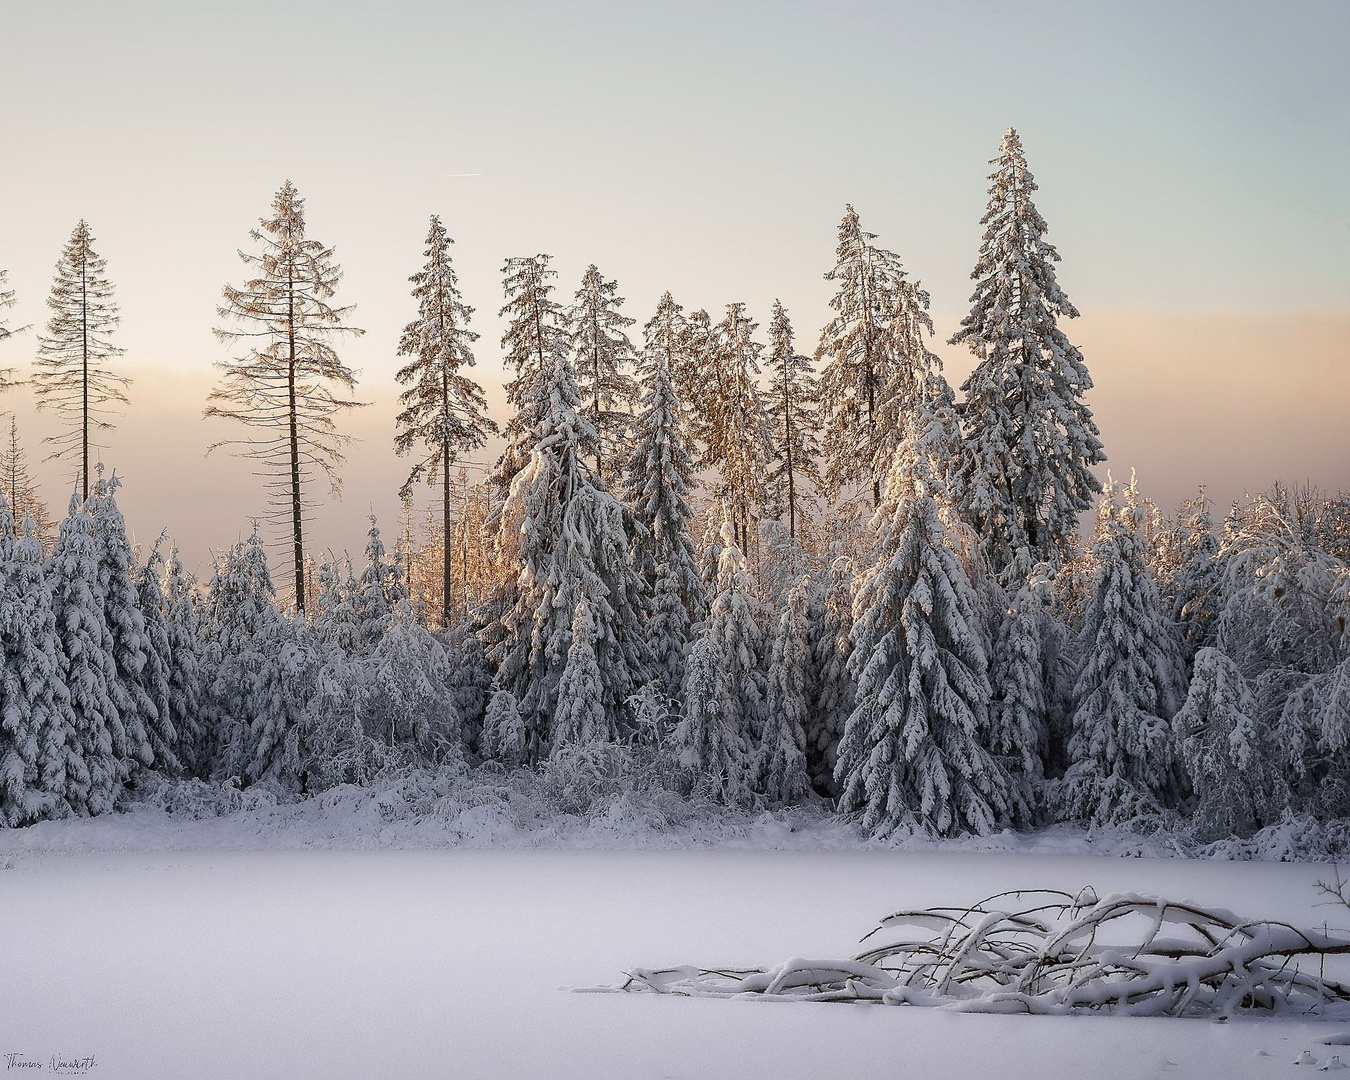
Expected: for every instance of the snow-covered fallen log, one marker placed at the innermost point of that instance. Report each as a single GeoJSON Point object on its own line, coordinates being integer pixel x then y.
{"type": "Point", "coordinates": [1053, 953]}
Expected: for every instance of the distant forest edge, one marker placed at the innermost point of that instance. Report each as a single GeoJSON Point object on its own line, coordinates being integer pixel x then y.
{"type": "Point", "coordinates": [730, 572]}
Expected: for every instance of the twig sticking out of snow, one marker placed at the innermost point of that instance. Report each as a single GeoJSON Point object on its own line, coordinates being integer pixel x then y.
{"type": "Point", "coordinates": [1054, 953]}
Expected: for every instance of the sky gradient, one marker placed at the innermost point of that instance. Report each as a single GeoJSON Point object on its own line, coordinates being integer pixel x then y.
{"type": "Point", "coordinates": [1191, 159]}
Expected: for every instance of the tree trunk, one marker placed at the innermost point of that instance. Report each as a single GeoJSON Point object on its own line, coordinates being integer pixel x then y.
{"type": "Point", "coordinates": [84, 382]}
{"type": "Point", "coordinates": [297, 524]}
{"type": "Point", "coordinates": [787, 453]}
{"type": "Point", "coordinates": [595, 371]}
{"type": "Point", "coordinates": [445, 541]}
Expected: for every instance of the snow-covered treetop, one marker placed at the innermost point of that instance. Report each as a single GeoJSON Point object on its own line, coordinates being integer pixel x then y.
{"type": "Point", "coordinates": [1033, 437]}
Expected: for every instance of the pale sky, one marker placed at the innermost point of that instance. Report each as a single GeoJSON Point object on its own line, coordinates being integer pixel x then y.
{"type": "Point", "coordinates": [1191, 157]}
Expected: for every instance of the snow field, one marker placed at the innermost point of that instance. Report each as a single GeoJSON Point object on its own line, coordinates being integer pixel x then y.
{"type": "Point", "coordinates": [361, 964]}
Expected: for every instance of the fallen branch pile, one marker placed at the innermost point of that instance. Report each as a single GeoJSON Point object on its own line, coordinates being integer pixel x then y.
{"type": "Point", "coordinates": [1052, 953]}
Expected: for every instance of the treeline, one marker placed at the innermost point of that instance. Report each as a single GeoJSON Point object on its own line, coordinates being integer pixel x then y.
{"type": "Point", "coordinates": [849, 587]}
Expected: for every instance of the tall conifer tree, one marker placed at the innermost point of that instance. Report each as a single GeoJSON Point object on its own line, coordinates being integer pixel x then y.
{"type": "Point", "coordinates": [71, 376]}
{"type": "Point", "coordinates": [737, 432]}
{"type": "Point", "coordinates": [1030, 439]}
{"type": "Point", "coordinates": [696, 375]}
{"type": "Point", "coordinates": [601, 351]}
{"type": "Point", "coordinates": [659, 477]}
{"type": "Point", "coordinates": [667, 337]}
{"type": "Point", "coordinates": [565, 532]}
{"type": "Point", "coordinates": [794, 398]}
{"type": "Point", "coordinates": [291, 385]}
{"type": "Point", "coordinates": [724, 689]}
{"type": "Point", "coordinates": [443, 410]}
{"type": "Point", "coordinates": [532, 339]}
{"type": "Point", "coordinates": [876, 311]}
{"type": "Point", "coordinates": [913, 756]}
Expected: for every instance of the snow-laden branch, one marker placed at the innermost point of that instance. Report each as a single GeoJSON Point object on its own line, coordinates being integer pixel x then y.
{"type": "Point", "coordinates": [1051, 953]}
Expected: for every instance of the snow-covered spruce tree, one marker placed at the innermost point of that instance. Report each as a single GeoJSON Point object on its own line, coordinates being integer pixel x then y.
{"type": "Point", "coordinates": [566, 533]}
{"type": "Point", "coordinates": [43, 680]}
{"type": "Point", "coordinates": [1313, 731]}
{"type": "Point", "coordinates": [781, 754]}
{"type": "Point", "coordinates": [1285, 596]}
{"type": "Point", "coordinates": [71, 376]}
{"type": "Point", "coordinates": [710, 546]}
{"type": "Point", "coordinates": [122, 614]}
{"type": "Point", "coordinates": [1191, 585]}
{"type": "Point", "coordinates": [240, 617]}
{"type": "Point", "coordinates": [927, 451]}
{"type": "Point", "coordinates": [533, 337]}
{"type": "Point", "coordinates": [580, 717]}
{"type": "Point", "coordinates": [724, 720]}
{"type": "Point", "coordinates": [19, 488]}
{"type": "Point", "coordinates": [380, 594]}
{"type": "Point", "coordinates": [667, 339]}
{"type": "Point", "coordinates": [1059, 662]}
{"type": "Point", "coordinates": [1122, 758]}
{"type": "Point", "coordinates": [794, 401]}
{"type": "Point", "coordinates": [443, 410]}
{"type": "Point", "coordinates": [284, 685]}
{"type": "Point", "coordinates": [859, 351]}
{"type": "Point", "coordinates": [329, 745]}
{"type": "Point", "coordinates": [1284, 619]}
{"type": "Point", "coordinates": [291, 385]}
{"type": "Point", "coordinates": [187, 676]}
{"type": "Point", "coordinates": [832, 698]}
{"type": "Point", "coordinates": [693, 384]}
{"type": "Point", "coordinates": [1147, 521]}
{"type": "Point", "coordinates": [503, 738]}
{"type": "Point", "coordinates": [781, 564]}
{"type": "Point", "coordinates": [94, 773]}
{"type": "Point", "coordinates": [34, 701]}
{"type": "Point", "coordinates": [914, 755]}
{"type": "Point", "coordinates": [708, 741]}
{"type": "Point", "coordinates": [156, 677]}
{"type": "Point", "coordinates": [469, 680]}
{"type": "Point", "coordinates": [915, 390]}
{"type": "Point", "coordinates": [1030, 439]}
{"type": "Point", "coordinates": [601, 351]}
{"type": "Point", "coordinates": [336, 619]}
{"type": "Point", "coordinates": [1232, 765]}
{"type": "Point", "coordinates": [735, 427]}
{"type": "Point", "coordinates": [410, 692]}
{"type": "Point", "coordinates": [659, 476]}
{"type": "Point", "coordinates": [1019, 712]}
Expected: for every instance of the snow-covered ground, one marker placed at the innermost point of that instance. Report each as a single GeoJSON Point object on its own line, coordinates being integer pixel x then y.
{"type": "Point", "coordinates": [161, 961]}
